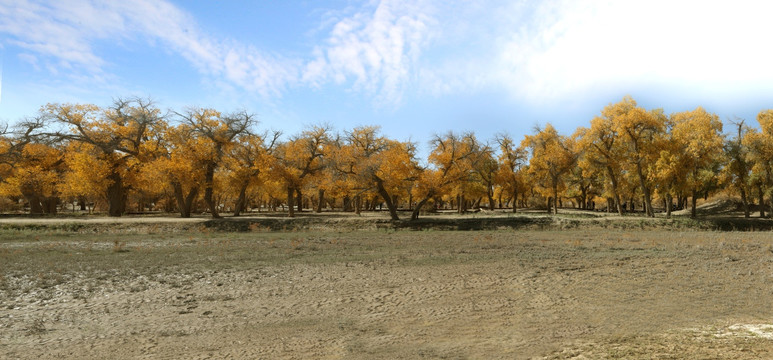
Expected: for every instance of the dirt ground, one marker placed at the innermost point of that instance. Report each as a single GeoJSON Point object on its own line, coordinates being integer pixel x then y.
{"type": "Point", "coordinates": [577, 294]}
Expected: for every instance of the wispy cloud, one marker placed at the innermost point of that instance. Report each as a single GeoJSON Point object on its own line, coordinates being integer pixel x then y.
{"type": "Point", "coordinates": [49, 31]}
{"type": "Point", "coordinates": [537, 51]}
{"type": "Point", "coordinates": [372, 49]}
{"type": "Point", "coordinates": [376, 47]}
{"type": "Point", "coordinates": [63, 34]}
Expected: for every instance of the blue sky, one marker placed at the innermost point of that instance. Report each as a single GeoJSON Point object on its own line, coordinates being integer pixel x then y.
{"type": "Point", "coordinates": [415, 68]}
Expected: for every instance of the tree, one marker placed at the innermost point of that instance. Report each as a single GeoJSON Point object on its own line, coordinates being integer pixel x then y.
{"type": "Point", "coordinates": [178, 166]}
{"type": "Point", "coordinates": [448, 164]}
{"type": "Point", "coordinates": [473, 174]}
{"type": "Point", "coordinates": [217, 134]}
{"type": "Point", "coordinates": [36, 175]}
{"type": "Point", "coordinates": [760, 155]}
{"type": "Point", "coordinates": [374, 162]}
{"type": "Point", "coordinates": [639, 129]}
{"type": "Point", "coordinates": [113, 136]}
{"type": "Point", "coordinates": [247, 160]}
{"type": "Point", "coordinates": [736, 172]}
{"type": "Point", "coordinates": [512, 159]}
{"type": "Point", "coordinates": [699, 138]}
{"type": "Point", "coordinates": [299, 159]}
{"type": "Point", "coordinates": [29, 166]}
{"type": "Point", "coordinates": [485, 168]}
{"type": "Point", "coordinates": [669, 168]}
{"type": "Point", "coordinates": [551, 159]}
{"type": "Point", "coordinates": [603, 150]}
{"type": "Point", "coordinates": [585, 178]}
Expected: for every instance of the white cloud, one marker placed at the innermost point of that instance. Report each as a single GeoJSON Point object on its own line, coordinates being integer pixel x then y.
{"type": "Point", "coordinates": [30, 28]}
{"type": "Point", "coordinates": [30, 59]}
{"type": "Point", "coordinates": [64, 32]}
{"type": "Point", "coordinates": [373, 49]}
{"type": "Point", "coordinates": [576, 46]}
{"type": "Point", "coordinates": [378, 48]}
{"type": "Point", "coordinates": [535, 50]}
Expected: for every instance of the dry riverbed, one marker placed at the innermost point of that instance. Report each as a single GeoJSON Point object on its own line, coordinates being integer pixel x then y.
{"type": "Point", "coordinates": [583, 293]}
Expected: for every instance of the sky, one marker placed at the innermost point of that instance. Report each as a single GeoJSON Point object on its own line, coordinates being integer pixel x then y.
{"type": "Point", "coordinates": [414, 67]}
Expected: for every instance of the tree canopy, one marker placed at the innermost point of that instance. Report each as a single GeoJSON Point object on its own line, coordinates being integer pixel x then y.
{"type": "Point", "coordinates": [131, 156]}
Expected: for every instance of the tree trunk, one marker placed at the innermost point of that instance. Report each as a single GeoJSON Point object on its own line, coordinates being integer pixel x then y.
{"type": "Point", "coordinates": [771, 206]}
{"type": "Point", "coordinates": [209, 190]}
{"type": "Point", "coordinates": [615, 192]}
{"type": "Point", "coordinates": [694, 205]}
{"type": "Point", "coordinates": [241, 201]}
{"type": "Point", "coordinates": [762, 201]}
{"type": "Point", "coordinates": [555, 199]}
{"type": "Point", "coordinates": [669, 205]}
{"type": "Point", "coordinates": [515, 200]}
{"type": "Point", "coordinates": [387, 199]}
{"type": "Point", "coordinates": [177, 189]}
{"type": "Point", "coordinates": [49, 205]}
{"type": "Point", "coordinates": [745, 202]}
{"type": "Point", "coordinates": [299, 199]}
{"type": "Point", "coordinates": [184, 202]}
{"type": "Point", "coordinates": [417, 209]}
{"type": "Point", "coordinates": [34, 200]}
{"type": "Point", "coordinates": [290, 198]}
{"type": "Point", "coordinates": [357, 204]}
{"type": "Point", "coordinates": [321, 200]}
{"type": "Point", "coordinates": [490, 193]}
{"type": "Point", "coordinates": [116, 195]}
{"type": "Point", "coordinates": [645, 190]}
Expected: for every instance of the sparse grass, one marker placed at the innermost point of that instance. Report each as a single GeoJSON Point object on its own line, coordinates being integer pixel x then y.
{"type": "Point", "coordinates": [119, 246]}
{"type": "Point", "coordinates": [36, 327]}
{"type": "Point", "coordinates": [55, 258]}
{"type": "Point", "coordinates": [608, 293]}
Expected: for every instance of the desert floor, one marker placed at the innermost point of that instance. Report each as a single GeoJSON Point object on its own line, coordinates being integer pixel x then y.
{"type": "Point", "coordinates": [197, 293]}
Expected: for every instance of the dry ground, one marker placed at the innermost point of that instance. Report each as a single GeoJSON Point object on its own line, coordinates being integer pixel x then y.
{"type": "Point", "coordinates": [583, 293]}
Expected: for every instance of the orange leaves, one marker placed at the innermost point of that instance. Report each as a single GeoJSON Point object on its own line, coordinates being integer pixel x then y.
{"type": "Point", "coordinates": [694, 148]}
{"type": "Point", "coordinates": [552, 157]}
{"type": "Point", "coordinates": [626, 152]}
{"type": "Point", "coordinates": [302, 156]}
{"type": "Point", "coordinates": [765, 119]}
{"type": "Point", "coordinates": [760, 151]}
{"type": "Point", "coordinates": [87, 171]}
{"type": "Point", "coordinates": [114, 136]}
{"type": "Point", "coordinates": [38, 170]}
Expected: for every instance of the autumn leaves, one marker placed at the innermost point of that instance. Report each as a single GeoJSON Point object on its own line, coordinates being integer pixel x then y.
{"type": "Point", "coordinates": [130, 156]}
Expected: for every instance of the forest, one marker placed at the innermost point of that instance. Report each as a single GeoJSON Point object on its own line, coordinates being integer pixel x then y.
{"type": "Point", "coordinates": [132, 157]}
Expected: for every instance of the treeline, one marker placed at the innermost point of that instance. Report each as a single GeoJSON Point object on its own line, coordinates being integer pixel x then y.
{"type": "Point", "coordinates": [132, 157]}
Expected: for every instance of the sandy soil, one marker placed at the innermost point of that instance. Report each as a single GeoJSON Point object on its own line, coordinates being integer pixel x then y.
{"type": "Point", "coordinates": [495, 294]}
